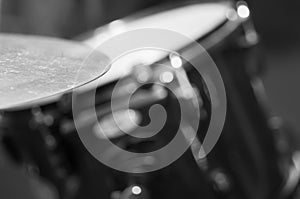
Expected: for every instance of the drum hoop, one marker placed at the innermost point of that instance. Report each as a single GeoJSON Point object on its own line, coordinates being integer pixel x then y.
{"type": "Point", "coordinates": [226, 26]}
{"type": "Point", "coordinates": [167, 6]}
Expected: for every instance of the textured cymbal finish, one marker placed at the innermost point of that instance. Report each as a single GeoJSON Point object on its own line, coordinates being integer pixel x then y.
{"type": "Point", "coordinates": [34, 68]}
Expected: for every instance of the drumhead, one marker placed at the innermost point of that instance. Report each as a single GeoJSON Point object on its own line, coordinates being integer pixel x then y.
{"type": "Point", "coordinates": [194, 21]}
{"type": "Point", "coordinates": [34, 69]}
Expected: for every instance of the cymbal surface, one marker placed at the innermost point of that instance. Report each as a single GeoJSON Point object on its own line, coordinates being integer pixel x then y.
{"type": "Point", "coordinates": [32, 68]}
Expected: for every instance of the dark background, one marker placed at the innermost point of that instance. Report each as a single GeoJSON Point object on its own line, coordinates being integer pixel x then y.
{"type": "Point", "coordinates": [277, 21]}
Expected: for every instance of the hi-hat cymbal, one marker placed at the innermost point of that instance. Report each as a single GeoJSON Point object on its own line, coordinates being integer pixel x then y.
{"type": "Point", "coordinates": [34, 68]}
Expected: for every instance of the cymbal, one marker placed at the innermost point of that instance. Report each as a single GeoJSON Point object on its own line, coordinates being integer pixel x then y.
{"type": "Point", "coordinates": [34, 68]}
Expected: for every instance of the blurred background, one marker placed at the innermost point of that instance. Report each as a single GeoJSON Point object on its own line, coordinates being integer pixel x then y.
{"type": "Point", "coordinates": [277, 22]}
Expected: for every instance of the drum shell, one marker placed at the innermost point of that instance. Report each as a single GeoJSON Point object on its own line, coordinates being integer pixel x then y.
{"type": "Point", "coordinates": [247, 149]}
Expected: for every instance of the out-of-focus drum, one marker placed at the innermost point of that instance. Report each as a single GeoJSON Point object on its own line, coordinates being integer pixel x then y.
{"type": "Point", "coordinates": [247, 161]}
{"type": "Point", "coordinates": [35, 73]}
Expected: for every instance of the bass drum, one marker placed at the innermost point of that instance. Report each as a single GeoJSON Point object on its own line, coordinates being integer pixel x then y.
{"type": "Point", "coordinates": [246, 162]}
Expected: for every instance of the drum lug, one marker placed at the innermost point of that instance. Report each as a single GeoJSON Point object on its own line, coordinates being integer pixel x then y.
{"type": "Point", "coordinates": [142, 73]}
{"type": "Point", "coordinates": [293, 179]}
{"type": "Point", "coordinates": [40, 118]}
{"type": "Point", "coordinates": [65, 103]}
{"type": "Point", "coordinates": [221, 181]}
{"type": "Point", "coordinates": [50, 142]}
{"type": "Point", "coordinates": [72, 184]}
{"type": "Point", "coordinates": [250, 37]}
{"type": "Point", "coordinates": [131, 192]}
{"type": "Point", "coordinates": [67, 127]}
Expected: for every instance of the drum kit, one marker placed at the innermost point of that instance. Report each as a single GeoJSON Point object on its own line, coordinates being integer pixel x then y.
{"type": "Point", "coordinates": [62, 100]}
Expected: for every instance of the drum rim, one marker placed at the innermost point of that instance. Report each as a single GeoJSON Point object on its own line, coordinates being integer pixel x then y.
{"type": "Point", "coordinates": [165, 7]}
{"type": "Point", "coordinates": [223, 27]}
